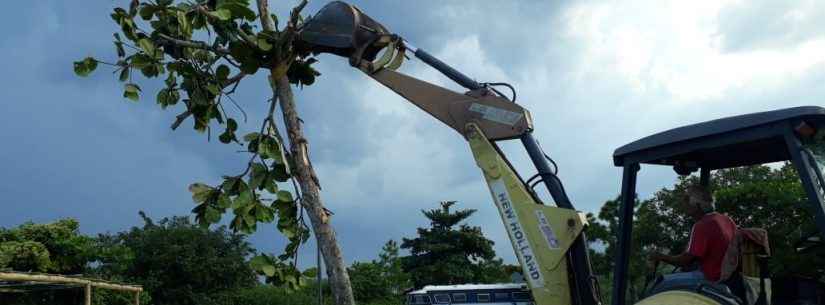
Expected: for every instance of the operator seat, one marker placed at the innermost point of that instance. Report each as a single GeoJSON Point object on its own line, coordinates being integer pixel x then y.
{"type": "Point", "coordinates": [744, 268]}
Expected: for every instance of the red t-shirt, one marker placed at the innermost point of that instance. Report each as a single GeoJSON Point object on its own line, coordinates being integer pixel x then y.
{"type": "Point", "coordinates": [709, 240]}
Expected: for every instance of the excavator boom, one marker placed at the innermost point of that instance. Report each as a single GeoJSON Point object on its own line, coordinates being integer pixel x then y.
{"type": "Point", "coordinates": [548, 240]}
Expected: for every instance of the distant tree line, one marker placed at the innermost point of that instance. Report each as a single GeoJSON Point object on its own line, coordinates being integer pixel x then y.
{"type": "Point", "coordinates": [765, 197]}
{"type": "Point", "coordinates": [179, 262]}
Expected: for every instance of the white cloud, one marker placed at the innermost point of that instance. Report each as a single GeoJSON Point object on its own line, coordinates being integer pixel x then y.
{"type": "Point", "coordinates": [676, 46]}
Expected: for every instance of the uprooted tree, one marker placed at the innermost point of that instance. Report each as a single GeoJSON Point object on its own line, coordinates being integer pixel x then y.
{"type": "Point", "coordinates": [204, 49]}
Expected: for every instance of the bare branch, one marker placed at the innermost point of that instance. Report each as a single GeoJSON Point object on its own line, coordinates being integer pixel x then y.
{"type": "Point", "coordinates": [180, 118]}
{"type": "Point", "coordinates": [234, 80]}
{"type": "Point", "coordinates": [266, 20]}
{"type": "Point", "coordinates": [251, 41]}
{"type": "Point", "coordinates": [293, 16]}
{"type": "Point", "coordinates": [193, 44]}
{"type": "Point", "coordinates": [237, 106]}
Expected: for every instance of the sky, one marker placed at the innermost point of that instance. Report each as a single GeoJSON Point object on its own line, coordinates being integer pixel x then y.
{"type": "Point", "coordinates": [594, 74]}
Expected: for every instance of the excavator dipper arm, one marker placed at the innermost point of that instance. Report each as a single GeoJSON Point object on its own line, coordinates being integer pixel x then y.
{"type": "Point", "coordinates": [549, 241]}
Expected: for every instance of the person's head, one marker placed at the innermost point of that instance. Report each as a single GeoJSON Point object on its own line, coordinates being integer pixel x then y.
{"type": "Point", "coordinates": [697, 201]}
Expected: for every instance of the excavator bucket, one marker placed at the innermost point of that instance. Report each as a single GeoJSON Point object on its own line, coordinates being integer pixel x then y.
{"type": "Point", "coordinates": [342, 29]}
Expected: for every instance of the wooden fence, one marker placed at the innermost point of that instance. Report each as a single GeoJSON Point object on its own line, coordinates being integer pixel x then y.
{"type": "Point", "coordinates": [10, 276]}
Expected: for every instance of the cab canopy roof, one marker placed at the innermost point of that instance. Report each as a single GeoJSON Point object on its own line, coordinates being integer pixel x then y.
{"type": "Point", "coordinates": [742, 140]}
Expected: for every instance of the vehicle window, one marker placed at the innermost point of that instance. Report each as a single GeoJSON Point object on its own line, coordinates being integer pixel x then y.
{"type": "Point", "coordinates": [459, 298]}
{"type": "Point", "coordinates": [502, 296]}
{"type": "Point", "coordinates": [442, 298]}
{"type": "Point", "coordinates": [521, 296]}
{"type": "Point", "coordinates": [421, 299]}
{"type": "Point", "coordinates": [483, 297]}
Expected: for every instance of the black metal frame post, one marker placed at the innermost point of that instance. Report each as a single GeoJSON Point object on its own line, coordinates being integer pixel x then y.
{"type": "Point", "coordinates": [625, 233]}
{"type": "Point", "coordinates": [808, 176]}
{"type": "Point", "coordinates": [704, 177]}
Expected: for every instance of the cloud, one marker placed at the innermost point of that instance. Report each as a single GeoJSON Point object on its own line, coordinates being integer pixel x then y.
{"type": "Point", "coordinates": [595, 76]}
{"type": "Point", "coordinates": [748, 25]}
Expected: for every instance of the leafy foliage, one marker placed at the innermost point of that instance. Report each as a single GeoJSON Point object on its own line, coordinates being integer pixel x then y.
{"type": "Point", "coordinates": [754, 197]}
{"type": "Point", "coordinates": [442, 254]}
{"type": "Point", "coordinates": [382, 279]}
{"type": "Point", "coordinates": [55, 247]}
{"type": "Point", "coordinates": [176, 261]}
{"type": "Point", "coordinates": [157, 38]}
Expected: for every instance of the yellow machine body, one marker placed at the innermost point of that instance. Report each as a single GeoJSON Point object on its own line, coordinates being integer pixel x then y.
{"type": "Point", "coordinates": [541, 235]}
{"type": "Point", "coordinates": [678, 297]}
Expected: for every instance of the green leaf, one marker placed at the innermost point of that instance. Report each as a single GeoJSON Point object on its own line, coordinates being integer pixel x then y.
{"type": "Point", "coordinates": [131, 92]}
{"type": "Point", "coordinates": [280, 171]}
{"type": "Point", "coordinates": [233, 185]}
{"type": "Point", "coordinates": [147, 46]}
{"type": "Point", "coordinates": [288, 231]}
{"type": "Point", "coordinates": [269, 270]}
{"type": "Point", "coordinates": [119, 48]}
{"type": "Point", "coordinates": [257, 262]}
{"type": "Point", "coordinates": [252, 136]}
{"type": "Point", "coordinates": [184, 26]}
{"type": "Point", "coordinates": [133, 8]}
{"type": "Point", "coordinates": [238, 10]}
{"type": "Point", "coordinates": [212, 215]}
{"type": "Point", "coordinates": [224, 201]}
{"type": "Point", "coordinates": [152, 70]}
{"type": "Point", "coordinates": [250, 220]}
{"type": "Point", "coordinates": [222, 14]}
{"type": "Point", "coordinates": [200, 192]}
{"type": "Point", "coordinates": [222, 73]}
{"type": "Point", "coordinates": [225, 137]}
{"type": "Point", "coordinates": [258, 175]}
{"type": "Point", "coordinates": [171, 80]}
{"type": "Point", "coordinates": [140, 61]}
{"type": "Point", "coordinates": [264, 213]}
{"type": "Point", "coordinates": [270, 185]}
{"type": "Point", "coordinates": [199, 21]}
{"type": "Point", "coordinates": [249, 66]}
{"type": "Point", "coordinates": [213, 88]}
{"type": "Point", "coordinates": [284, 196]}
{"type": "Point", "coordinates": [124, 74]}
{"type": "Point", "coordinates": [244, 199]}
{"type": "Point", "coordinates": [146, 11]}
{"type": "Point", "coordinates": [167, 97]}
{"type": "Point", "coordinates": [263, 44]}
{"type": "Point", "coordinates": [269, 148]}
{"type": "Point", "coordinates": [85, 67]}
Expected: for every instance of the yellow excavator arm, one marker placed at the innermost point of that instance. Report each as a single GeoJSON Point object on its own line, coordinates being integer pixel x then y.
{"type": "Point", "coordinates": [548, 240]}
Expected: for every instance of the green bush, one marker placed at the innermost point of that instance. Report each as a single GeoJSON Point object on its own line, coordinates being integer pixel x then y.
{"type": "Point", "coordinates": [267, 295]}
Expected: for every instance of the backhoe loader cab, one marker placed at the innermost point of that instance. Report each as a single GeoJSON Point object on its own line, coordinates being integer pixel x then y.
{"type": "Point", "coordinates": [796, 135]}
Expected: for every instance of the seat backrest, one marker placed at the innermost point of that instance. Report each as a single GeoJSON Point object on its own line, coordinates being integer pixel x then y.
{"type": "Point", "coordinates": [744, 251]}
{"type": "Point", "coordinates": [753, 244]}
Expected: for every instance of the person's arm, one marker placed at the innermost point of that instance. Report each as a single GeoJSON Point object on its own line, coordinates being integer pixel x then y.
{"type": "Point", "coordinates": [681, 260]}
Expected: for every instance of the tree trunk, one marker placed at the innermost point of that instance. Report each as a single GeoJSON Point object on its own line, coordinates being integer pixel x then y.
{"type": "Point", "coordinates": [311, 198]}
{"type": "Point", "coordinates": [305, 174]}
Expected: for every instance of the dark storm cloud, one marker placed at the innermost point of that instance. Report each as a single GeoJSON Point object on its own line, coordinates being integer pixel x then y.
{"type": "Point", "coordinates": [595, 76]}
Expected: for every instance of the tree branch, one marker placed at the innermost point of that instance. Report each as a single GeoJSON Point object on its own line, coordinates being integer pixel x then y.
{"type": "Point", "coordinates": [234, 80]}
{"type": "Point", "coordinates": [266, 19]}
{"type": "Point", "coordinates": [293, 16]}
{"type": "Point", "coordinates": [193, 44]}
{"type": "Point", "coordinates": [180, 118]}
